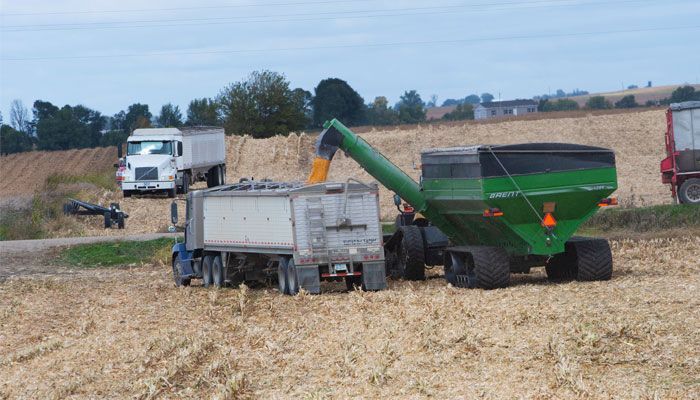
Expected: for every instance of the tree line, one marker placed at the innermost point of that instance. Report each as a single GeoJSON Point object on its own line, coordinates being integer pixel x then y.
{"type": "Point", "coordinates": [680, 94]}
{"type": "Point", "coordinates": [262, 105]}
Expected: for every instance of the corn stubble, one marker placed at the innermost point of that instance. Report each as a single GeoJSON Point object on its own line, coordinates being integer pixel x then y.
{"type": "Point", "coordinates": [131, 334]}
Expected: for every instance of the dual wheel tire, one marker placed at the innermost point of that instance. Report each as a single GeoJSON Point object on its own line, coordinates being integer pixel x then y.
{"type": "Point", "coordinates": [584, 259]}
{"type": "Point", "coordinates": [287, 281]}
{"type": "Point", "coordinates": [212, 271]}
{"type": "Point", "coordinates": [216, 176]}
{"type": "Point", "coordinates": [481, 267]}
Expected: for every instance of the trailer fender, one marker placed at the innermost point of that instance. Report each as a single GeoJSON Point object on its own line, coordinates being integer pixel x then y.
{"type": "Point", "coordinates": [186, 259]}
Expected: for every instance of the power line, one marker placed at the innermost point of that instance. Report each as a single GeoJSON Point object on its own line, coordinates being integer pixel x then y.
{"type": "Point", "coordinates": [286, 17]}
{"type": "Point", "coordinates": [298, 3]}
{"type": "Point", "coordinates": [370, 45]}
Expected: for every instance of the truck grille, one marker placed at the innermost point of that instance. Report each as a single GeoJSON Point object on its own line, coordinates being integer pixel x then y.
{"type": "Point", "coordinates": [147, 174]}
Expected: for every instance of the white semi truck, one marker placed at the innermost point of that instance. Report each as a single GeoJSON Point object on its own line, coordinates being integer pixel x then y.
{"type": "Point", "coordinates": [171, 159]}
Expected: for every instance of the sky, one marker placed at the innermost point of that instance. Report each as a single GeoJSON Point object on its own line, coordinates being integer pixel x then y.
{"type": "Point", "coordinates": [107, 55]}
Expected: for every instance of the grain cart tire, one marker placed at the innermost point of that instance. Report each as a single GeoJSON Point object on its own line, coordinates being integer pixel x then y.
{"type": "Point", "coordinates": [120, 220]}
{"type": "Point", "coordinates": [490, 267]}
{"type": "Point", "coordinates": [411, 254]}
{"type": "Point", "coordinates": [108, 219]}
{"type": "Point", "coordinates": [292, 281]}
{"type": "Point", "coordinates": [282, 277]}
{"type": "Point", "coordinates": [593, 260]}
{"type": "Point", "coordinates": [207, 276]}
{"type": "Point", "coordinates": [689, 192]}
{"type": "Point", "coordinates": [177, 273]}
{"type": "Point", "coordinates": [217, 271]}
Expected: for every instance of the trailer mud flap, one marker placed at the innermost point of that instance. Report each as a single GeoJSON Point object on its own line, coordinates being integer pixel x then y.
{"type": "Point", "coordinates": [309, 278]}
{"type": "Point", "coordinates": [373, 276]}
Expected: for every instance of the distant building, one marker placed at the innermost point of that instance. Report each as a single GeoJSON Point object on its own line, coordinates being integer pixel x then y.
{"type": "Point", "coordinates": [498, 109]}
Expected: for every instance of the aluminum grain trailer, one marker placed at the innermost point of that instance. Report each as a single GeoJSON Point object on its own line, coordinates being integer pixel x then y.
{"type": "Point", "coordinates": [294, 234]}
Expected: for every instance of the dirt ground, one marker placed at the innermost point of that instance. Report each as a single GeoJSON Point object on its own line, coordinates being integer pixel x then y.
{"type": "Point", "coordinates": [129, 333]}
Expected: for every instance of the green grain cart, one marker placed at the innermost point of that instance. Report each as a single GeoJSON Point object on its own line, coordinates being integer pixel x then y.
{"type": "Point", "coordinates": [486, 211]}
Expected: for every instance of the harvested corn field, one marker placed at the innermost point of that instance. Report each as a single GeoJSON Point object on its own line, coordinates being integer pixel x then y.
{"type": "Point", "coordinates": [128, 333]}
{"type": "Point", "coordinates": [636, 137]}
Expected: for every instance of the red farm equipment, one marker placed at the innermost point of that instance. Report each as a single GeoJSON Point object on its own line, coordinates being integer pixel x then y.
{"type": "Point", "coordinates": [681, 167]}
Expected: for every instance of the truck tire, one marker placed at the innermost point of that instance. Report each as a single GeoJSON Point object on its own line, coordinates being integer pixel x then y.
{"type": "Point", "coordinates": [585, 259]}
{"type": "Point", "coordinates": [172, 192]}
{"type": "Point", "coordinates": [217, 271]}
{"type": "Point", "coordinates": [126, 193]}
{"type": "Point", "coordinates": [351, 282]}
{"type": "Point", "coordinates": [490, 267]}
{"type": "Point", "coordinates": [411, 254]}
{"type": "Point", "coordinates": [292, 281]}
{"type": "Point", "coordinates": [207, 275]}
{"type": "Point", "coordinates": [177, 273]}
{"type": "Point", "coordinates": [282, 277]}
{"type": "Point", "coordinates": [222, 175]}
{"type": "Point", "coordinates": [185, 183]}
{"type": "Point", "coordinates": [689, 192]}
{"type": "Point", "coordinates": [213, 177]}
{"type": "Point", "coordinates": [108, 219]}
{"type": "Point", "coordinates": [593, 260]}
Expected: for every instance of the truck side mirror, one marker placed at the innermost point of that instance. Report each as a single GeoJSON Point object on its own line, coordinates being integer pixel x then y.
{"type": "Point", "coordinates": [119, 151]}
{"type": "Point", "coordinates": [397, 200]}
{"type": "Point", "coordinates": [173, 213]}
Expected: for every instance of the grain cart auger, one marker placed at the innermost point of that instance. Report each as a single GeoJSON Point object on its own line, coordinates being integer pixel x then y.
{"type": "Point", "coordinates": [492, 209]}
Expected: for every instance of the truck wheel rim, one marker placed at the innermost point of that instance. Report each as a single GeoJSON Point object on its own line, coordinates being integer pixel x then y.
{"type": "Point", "coordinates": [693, 193]}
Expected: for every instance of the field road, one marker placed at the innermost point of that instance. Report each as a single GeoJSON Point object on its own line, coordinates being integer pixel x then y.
{"type": "Point", "coordinates": [27, 257]}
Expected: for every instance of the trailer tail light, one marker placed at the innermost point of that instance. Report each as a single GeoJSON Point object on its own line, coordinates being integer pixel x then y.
{"type": "Point", "coordinates": [407, 208]}
{"type": "Point", "coordinates": [493, 212]}
{"type": "Point", "coordinates": [610, 201]}
{"type": "Point", "coordinates": [548, 221]}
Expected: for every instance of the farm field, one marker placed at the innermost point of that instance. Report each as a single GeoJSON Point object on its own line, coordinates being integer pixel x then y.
{"type": "Point", "coordinates": [129, 333]}
{"type": "Point", "coordinates": [641, 95]}
{"type": "Point", "coordinates": [636, 137]}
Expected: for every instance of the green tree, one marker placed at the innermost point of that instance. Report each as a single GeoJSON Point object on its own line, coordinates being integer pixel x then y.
{"type": "Point", "coordinates": [137, 116]}
{"type": "Point", "coordinates": [546, 105]}
{"type": "Point", "coordinates": [379, 112]}
{"type": "Point", "coordinates": [411, 108]}
{"type": "Point", "coordinates": [598, 103]}
{"type": "Point", "coordinates": [67, 127]}
{"type": "Point", "coordinates": [113, 138]}
{"type": "Point", "coordinates": [13, 141]}
{"type": "Point", "coordinates": [486, 97]}
{"type": "Point", "coordinates": [684, 93]}
{"type": "Point", "coordinates": [262, 106]}
{"type": "Point", "coordinates": [472, 99]}
{"type": "Point", "coordinates": [463, 111]}
{"type": "Point", "coordinates": [626, 102]}
{"type": "Point", "coordinates": [170, 116]}
{"type": "Point", "coordinates": [334, 98]}
{"type": "Point", "coordinates": [203, 112]}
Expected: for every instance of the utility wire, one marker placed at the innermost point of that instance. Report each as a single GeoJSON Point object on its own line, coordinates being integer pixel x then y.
{"type": "Point", "coordinates": [285, 17]}
{"type": "Point", "coordinates": [298, 3]}
{"type": "Point", "coordinates": [369, 45]}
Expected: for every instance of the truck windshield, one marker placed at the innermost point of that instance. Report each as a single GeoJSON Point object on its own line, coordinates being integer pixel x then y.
{"type": "Point", "coordinates": [149, 147]}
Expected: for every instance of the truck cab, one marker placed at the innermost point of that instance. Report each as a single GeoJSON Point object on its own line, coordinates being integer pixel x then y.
{"type": "Point", "coordinates": [171, 159]}
{"type": "Point", "coordinates": [681, 167]}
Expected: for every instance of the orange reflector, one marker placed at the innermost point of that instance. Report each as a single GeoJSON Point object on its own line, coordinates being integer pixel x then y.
{"type": "Point", "coordinates": [610, 201]}
{"type": "Point", "coordinates": [548, 221]}
{"type": "Point", "coordinates": [493, 212]}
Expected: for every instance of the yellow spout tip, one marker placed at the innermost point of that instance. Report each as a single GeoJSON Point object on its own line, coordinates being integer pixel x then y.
{"type": "Point", "coordinates": [319, 171]}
